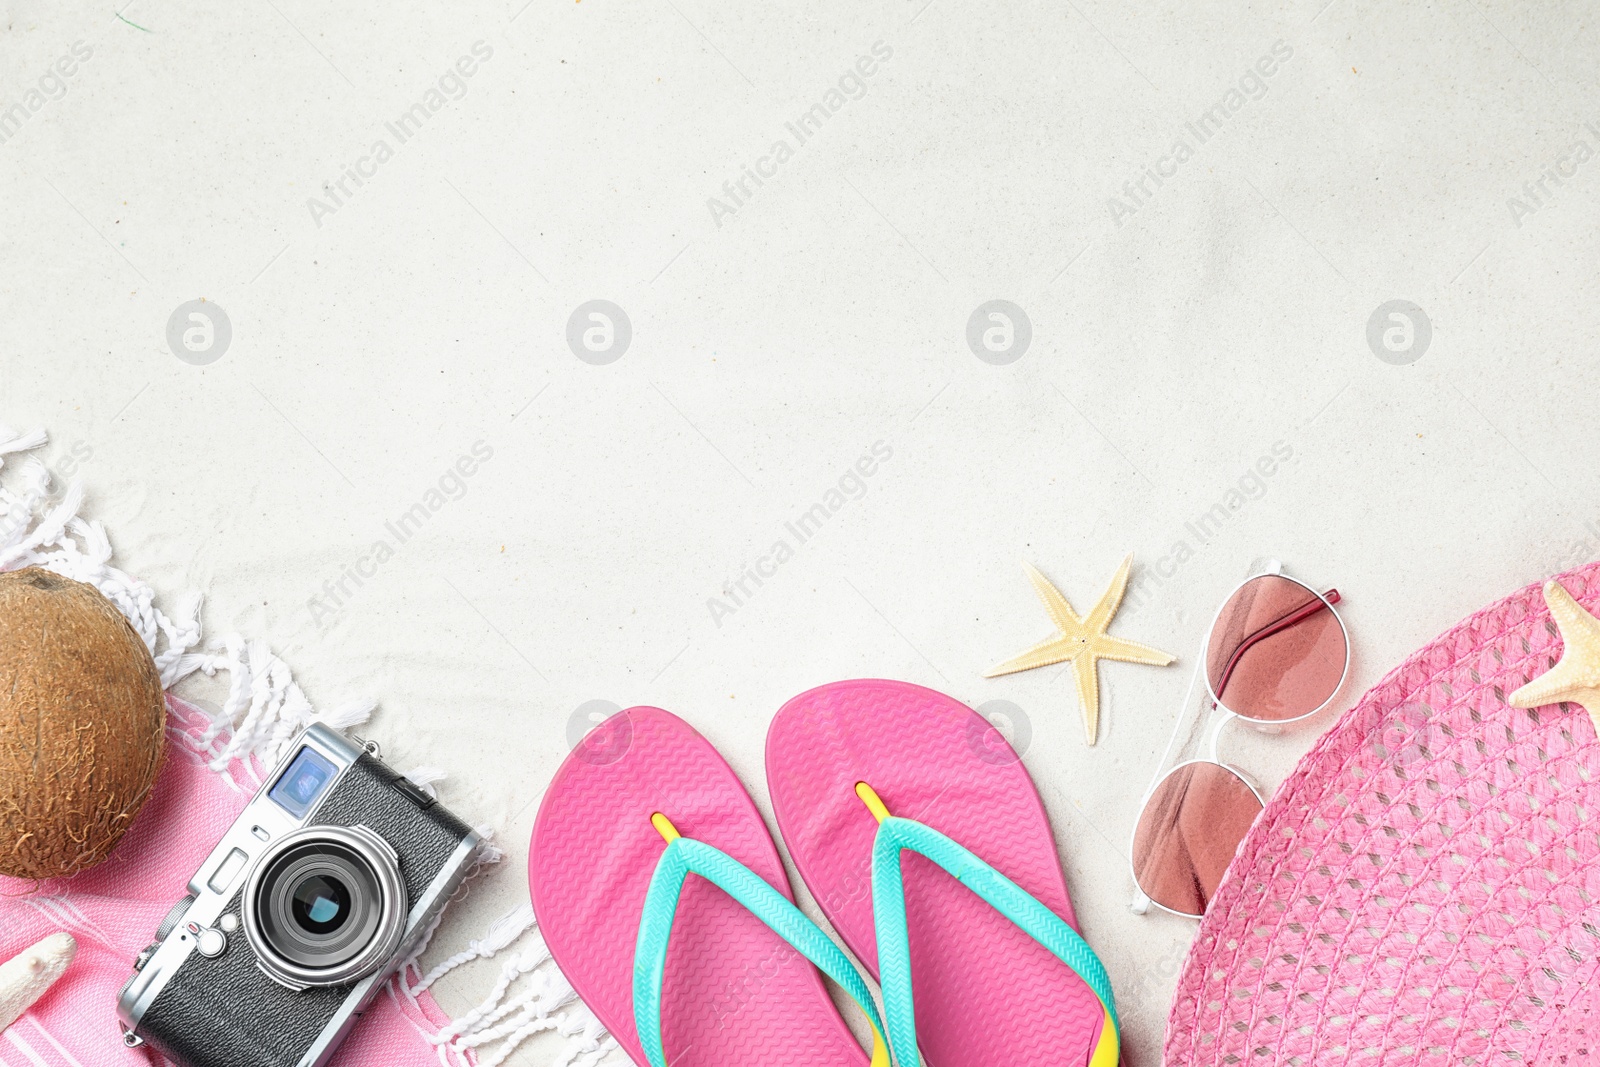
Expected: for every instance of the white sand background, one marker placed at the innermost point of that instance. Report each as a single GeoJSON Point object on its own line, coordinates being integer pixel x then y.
{"type": "Point", "coordinates": [425, 310]}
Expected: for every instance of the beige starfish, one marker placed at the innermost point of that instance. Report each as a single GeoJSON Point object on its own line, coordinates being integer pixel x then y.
{"type": "Point", "coordinates": [1083, 641]}
{"type": "Point", "coordinates": [1577, 676]}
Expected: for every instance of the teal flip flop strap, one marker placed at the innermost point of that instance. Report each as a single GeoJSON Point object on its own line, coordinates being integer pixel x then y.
{"type": "Point", "coordinates": [897, 835]}
{"type": "Point", "coordinates": [684, 857]}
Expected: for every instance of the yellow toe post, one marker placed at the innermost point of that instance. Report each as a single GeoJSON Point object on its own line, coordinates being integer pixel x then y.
{"type": "Point", "coordinates": [880, 811]}
{"type": "Point", "coordinates": [669, 833]}
{"type": "Point", "coordinates": [1108, 1052]}
{"type": "Point", "coordinates": [880, 1050]}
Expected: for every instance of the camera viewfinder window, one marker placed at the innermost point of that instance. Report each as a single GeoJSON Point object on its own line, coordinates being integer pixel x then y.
{"type": "Point", "coordinates": [303, 782]}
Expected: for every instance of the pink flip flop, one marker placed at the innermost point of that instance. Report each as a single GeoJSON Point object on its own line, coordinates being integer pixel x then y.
{"type": "Point", "coordinates": [986, 993]}
{"type": "Point", "coordinates": [732, 990]}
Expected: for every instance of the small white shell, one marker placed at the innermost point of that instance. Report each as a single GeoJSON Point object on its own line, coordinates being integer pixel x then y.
{"type": "Point", "coordinates": [25, 977]}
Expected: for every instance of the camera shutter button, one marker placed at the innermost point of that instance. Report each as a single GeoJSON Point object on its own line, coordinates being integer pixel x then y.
{"type": "Point", "coordinates": [208, 940]}
{"type": "Point", "coordinates": [418, 796]}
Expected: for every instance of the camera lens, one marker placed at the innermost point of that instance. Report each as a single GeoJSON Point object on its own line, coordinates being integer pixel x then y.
{"type": "Point", "coordinates": [325, 905]}
{"type": "Point", "coordinates": [320, 904]}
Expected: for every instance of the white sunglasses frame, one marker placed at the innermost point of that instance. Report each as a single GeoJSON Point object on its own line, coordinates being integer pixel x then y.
{"type": "Point", "coordinates": [1142, 902]}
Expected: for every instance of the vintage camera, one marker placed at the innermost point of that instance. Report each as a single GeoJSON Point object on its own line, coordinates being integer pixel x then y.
{"type": "Point", "coordinates": [315, 896]}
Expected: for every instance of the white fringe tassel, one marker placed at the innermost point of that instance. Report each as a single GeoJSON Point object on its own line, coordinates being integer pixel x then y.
{"type": "Point", "coordinates": [505, 930]}
{"type": "Point", "coordinates": [544, 1001]}
{"type": "Point", "coordinates": [263, 712]}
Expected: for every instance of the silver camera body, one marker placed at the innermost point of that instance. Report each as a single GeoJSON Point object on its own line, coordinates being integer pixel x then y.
{"type": "Point", "coordinates": [314, 897]}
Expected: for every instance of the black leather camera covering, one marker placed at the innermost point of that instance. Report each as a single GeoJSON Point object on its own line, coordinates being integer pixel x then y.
{"type": "Point", "coordinates": [226, 1012]}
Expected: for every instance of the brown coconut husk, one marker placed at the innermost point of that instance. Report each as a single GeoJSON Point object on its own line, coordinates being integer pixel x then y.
{"type": "Point", "coordinates": [82, 725]}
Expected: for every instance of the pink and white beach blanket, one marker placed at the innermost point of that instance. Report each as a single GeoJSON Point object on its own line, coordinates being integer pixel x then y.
{"type": "Point", "coordinates": [113, 910]}
{"type": "Point", "coordinates": [214, 766]}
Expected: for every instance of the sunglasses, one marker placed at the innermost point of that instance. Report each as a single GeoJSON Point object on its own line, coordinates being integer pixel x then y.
{"type": "Point", "coordinates": [1277, 652]}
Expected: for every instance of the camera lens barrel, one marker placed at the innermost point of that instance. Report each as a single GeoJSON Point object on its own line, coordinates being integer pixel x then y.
{"type": "Point", "coordinates": [325, 905]}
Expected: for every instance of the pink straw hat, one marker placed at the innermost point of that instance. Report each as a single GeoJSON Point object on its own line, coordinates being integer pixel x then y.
{"type": "Point", "coordinates": [1424, 889]}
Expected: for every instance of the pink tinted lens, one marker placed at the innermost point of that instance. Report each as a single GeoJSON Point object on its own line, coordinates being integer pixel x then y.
{"type": "Point", "coordinates": [1276, 651]}
{"type": "Point", "coordinates": [1188, 833]}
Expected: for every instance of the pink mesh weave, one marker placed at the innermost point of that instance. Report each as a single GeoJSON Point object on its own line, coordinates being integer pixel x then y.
{"type": "Point", "coordinates": [1424, 890]}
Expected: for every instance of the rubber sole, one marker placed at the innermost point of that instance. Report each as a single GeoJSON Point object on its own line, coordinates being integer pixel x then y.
{"type": "Point", "coordinates": [986, 993]}
{"type": "Point", "coordinates": [734, 991]}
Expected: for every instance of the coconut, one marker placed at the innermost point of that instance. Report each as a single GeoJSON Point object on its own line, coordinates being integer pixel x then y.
{"type": "Point", "coordinates": [82, 724]}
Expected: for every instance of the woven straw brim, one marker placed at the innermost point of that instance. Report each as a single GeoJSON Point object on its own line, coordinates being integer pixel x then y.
{"type": "Point", "coordinates": [1424, 889]}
